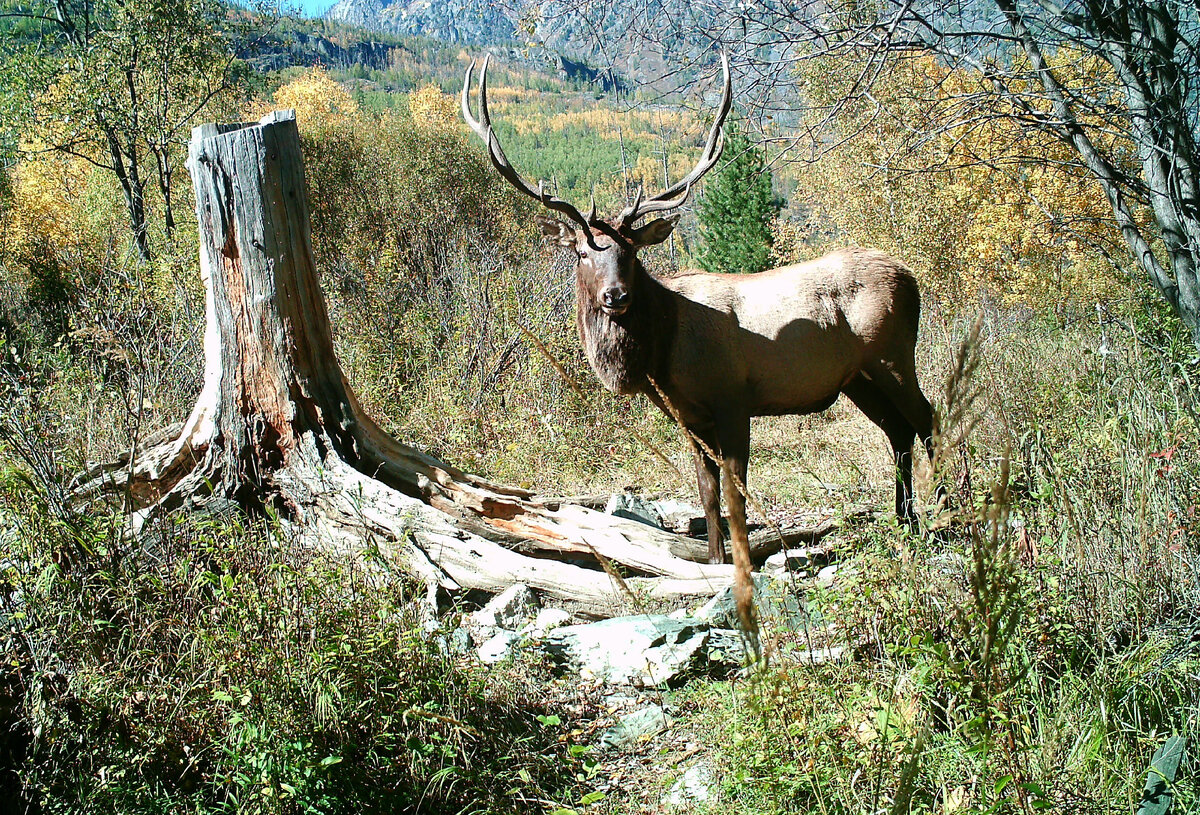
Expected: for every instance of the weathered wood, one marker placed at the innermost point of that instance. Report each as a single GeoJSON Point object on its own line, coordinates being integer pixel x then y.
{"type": "Point", "coordinates": [276, 424]}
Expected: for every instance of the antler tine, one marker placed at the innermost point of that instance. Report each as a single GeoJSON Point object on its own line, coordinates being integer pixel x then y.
{"type": "Point", "coordinates": [483, 128]}
{"type": "Point", "coordinates": [480, 130]}
{"type": "Point", "coordinates": [671, 198]}
{"type": "Point", "coordinates": [630, 213]}
{"type": "Point", "coordinates": [664, 205]}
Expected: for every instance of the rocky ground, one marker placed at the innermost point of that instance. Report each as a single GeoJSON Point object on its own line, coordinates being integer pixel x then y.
{"type": "Point", "coordinates": [624, 673]}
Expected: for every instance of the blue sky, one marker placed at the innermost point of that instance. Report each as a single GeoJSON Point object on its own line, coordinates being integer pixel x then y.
{"type": "Point", "coordinates": [311, 8]}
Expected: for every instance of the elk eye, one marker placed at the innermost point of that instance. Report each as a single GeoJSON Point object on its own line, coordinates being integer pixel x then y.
{"type": "Point", "coordinates": [582, 254]}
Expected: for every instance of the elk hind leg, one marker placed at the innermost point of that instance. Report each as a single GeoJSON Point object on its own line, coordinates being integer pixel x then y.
{"type": "Point", "coordinates": [875, 404]}
{"type": "Point", "coordinates": [734, 434]}
{"type": "Point", "coordinates": [897, 379]}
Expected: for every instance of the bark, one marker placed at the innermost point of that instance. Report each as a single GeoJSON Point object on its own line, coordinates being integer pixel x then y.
{"type": "Point", "coordinates": [162, 161]}
{"type": "Point", "coordinates": [277, 427]}
{"type": "Point", "coordinates": [125, 167]}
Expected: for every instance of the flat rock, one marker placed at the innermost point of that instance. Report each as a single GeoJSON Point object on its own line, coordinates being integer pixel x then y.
{"type": "Point", "coordinates": [508, 611]}
{"type": "Point", "coordinates": [645, 650]}
{"type": "Point", "coordinates": [777, 605]}
{"type": "Point", "coordinates": [828, 655]}
{"type": "Point", "coordinates": [499, 646]}
{"type": "Point", "coordinates": [454, 643]}
{"type": "Point", "coordinates": [546, 621]}
{"type": "Point", "coordinates": [793, 560]}
{"type": "Point", "coordinates": [628, 505]}
{"type": "Point", "coordinates": [677, 516]}
{"type": "Point", "coordinates": [697, 785]}
{"type": "Point", "coordinates": [633, 727]}
{"type": "Point", "coordinates": [725, 648]}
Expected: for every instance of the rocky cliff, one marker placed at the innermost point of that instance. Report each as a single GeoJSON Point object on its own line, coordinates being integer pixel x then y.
{"type": "Point", "coordinates": [469, 22]}
{"type": "Point", "coordinates": [301, 48]}
{"type": "Point", "coordinates": [637, 38]}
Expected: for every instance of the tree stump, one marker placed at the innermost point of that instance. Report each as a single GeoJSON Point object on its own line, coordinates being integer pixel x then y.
{"type": "Point", "coordinates": [278, 428]}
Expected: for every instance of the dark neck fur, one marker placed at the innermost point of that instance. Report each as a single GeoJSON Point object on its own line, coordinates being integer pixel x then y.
{"type": "Point", "coordinates": [622, 350]}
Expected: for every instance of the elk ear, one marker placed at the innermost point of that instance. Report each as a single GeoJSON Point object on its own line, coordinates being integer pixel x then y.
{"type": "Point", "coordinates": [654, 232]}
{"type": "Point", "coordinates": [556, 231]}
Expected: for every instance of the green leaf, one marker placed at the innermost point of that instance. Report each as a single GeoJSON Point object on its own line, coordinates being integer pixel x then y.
{"type": "Point", "coordinates": [1157, 796]}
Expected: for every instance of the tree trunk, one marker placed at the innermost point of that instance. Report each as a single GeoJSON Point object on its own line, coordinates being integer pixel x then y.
{"type": "Point", "coordinates": [277, 427]}
{"type": "Point", "coordinates": [126, 170]}
{"type": "Point", "coordinates": [162, 160]}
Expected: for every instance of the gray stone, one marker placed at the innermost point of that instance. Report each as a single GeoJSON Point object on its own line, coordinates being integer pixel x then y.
{"type": "Point", "coordinates": [622, 700]}
{"type": "Point", "coordinates": [628, 505]}
{"type": "Point", "coordinates": [675, 515]}
{"type": "Point", "coordinates": [792, 560]}
{"type": "Point", "coordinates": [509, 611]}
{"type": "Point", "coordinates": [498, 647]}
{"type": "Point", "coordinates": [633, 727]}
{"type": "Point", "coordinates": [776, 602]}
{"type": "Point", "coordinates": [950, 564]}
{"type": "Point", "coordinates": [546, 620]}
{"type": "Point", "coordinates": [826, 576]}
{"type": "Point", "coordinates": [454, 643]}
{"type": "Point", "coordinates": [644, 650]}
{"type": "Point", "coordinates": [697, 785]}
{"type": "Point", "coordinates": [820, 656]}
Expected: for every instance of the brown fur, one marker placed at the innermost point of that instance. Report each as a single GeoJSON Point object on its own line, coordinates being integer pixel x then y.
{"type": "Point", "coordinates": [724, 348]}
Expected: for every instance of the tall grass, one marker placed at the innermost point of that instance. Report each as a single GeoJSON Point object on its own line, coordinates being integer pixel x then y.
{"type": "Point", "coordinates": [1033, 651]}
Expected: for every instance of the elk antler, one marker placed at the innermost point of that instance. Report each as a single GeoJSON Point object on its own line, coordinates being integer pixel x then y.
{"type": "Point", "coordinates": [483, 127]}
{"type": "Point", "coordinates": [667, 200]}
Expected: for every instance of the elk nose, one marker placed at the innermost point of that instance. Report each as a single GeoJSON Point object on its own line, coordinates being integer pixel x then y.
{"type": "Point", "coordinates": [616, 297]}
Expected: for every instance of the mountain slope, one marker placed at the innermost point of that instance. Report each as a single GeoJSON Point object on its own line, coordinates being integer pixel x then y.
{"type": "Point", "coordinates": [635, 37]}
{"type": "Point", "coordinates": [468, 22]}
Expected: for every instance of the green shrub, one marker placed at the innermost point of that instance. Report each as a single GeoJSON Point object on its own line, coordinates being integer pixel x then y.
{"type": "Point", "coordinates": [216, 667]}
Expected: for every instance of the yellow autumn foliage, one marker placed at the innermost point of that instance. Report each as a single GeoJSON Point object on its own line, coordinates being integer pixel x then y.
{"type": "Point", "coordinates": [433, 109]}
{"type": "Point", "coordinates": [982, 209]}
{"type": "Point", "coordinates": [318, 100]}
{"type": "Point", "coordinates": [520, 109]}
{"type": "Point", "coordinates": [45, 187]}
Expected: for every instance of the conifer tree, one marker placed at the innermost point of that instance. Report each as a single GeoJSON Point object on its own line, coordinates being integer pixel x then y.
{"type": "Point", "coordinates": [736, 210]}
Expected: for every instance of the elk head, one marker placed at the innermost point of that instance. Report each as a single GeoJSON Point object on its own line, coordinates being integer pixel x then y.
{"type": "Point", "coordinates": [607, 256]}
{"type": "Point", "coordinates": [607, 267]}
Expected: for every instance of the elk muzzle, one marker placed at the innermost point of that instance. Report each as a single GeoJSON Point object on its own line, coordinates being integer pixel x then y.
{"type": "Point", "coordinates": [614, 300]}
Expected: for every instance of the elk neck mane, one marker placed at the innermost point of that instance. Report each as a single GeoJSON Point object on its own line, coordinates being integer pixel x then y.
{"type": "Point", "coordinates": [624, 349]}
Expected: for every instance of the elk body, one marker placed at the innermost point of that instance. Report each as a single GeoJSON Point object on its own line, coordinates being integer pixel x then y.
{"type": "Point", "coordinates": [714, 350]}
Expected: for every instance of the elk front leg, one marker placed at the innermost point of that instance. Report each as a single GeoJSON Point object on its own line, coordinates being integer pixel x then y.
{"type": "Point", "coordinates": [734, 437]}
{"type": "Point", "coordinates": [708, 481]}
{"type": "Point", "coordinates": [735, 447]}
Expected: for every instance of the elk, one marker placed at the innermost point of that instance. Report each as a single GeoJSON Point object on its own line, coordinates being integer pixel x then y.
{"type": "Point", "coordinates": [714, 350]}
